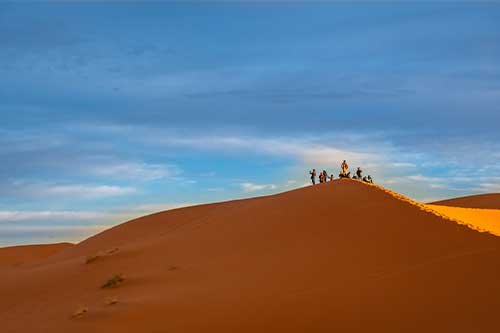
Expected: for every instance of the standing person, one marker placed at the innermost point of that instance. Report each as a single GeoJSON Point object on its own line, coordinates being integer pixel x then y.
{"type": "Point", "coordinates": [331, 177]}
{"type": "Point", "coordinates": [325, 176]}
{"type": "Point", "coordinates": [358, 173]}
{"type": "Point", "coordinates": [313, 176]}
{"type": "Point", "coordinates": [344, 167]}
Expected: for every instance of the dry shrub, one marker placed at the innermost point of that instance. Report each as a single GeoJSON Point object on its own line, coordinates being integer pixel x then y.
{"type": "Point", "coordinates": [114, 281]}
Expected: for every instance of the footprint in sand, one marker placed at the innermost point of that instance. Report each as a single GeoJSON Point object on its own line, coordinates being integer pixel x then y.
{"type": "Point", "coordinates": [80, 312]}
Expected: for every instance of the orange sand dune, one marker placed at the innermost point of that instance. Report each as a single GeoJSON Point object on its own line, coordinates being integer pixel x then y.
{"type": "Point", "coordinates": [488, 201]}
{"type": "Point", "coordinates": [336, 257]}
{"type": "Point", "coordinates": [482, 219]}
{"type": "Point", "coordinates": [19, 255]}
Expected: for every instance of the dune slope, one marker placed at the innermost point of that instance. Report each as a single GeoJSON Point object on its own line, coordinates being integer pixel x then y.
{"type": "Point", "coordinates": [486, 201]}
{"type": "Point", "coordinates": [26, 254]}
{"type": "Point", "coordinates": [483, 219]}
{"type": "Point", "coordinates": [341, 256]}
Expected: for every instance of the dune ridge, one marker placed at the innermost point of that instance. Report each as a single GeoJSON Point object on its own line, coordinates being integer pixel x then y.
{"type": "Point", "coordinates": [339, 256]}
{"type": "Point", "coordinates": [26, 254]}
{"type": "Point", "coordinates": [474, 219]}
{"type": "Point", "coordinates": [482, 219]}
{"type": "Point", "coordinates": [486, 201]}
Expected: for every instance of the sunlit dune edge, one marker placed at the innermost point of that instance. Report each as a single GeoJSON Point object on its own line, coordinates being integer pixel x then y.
{"type": "Point", "coordinates": [480, 219]}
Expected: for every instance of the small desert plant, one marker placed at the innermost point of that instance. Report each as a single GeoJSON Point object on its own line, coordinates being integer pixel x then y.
{"type": "Point", "coordinates": [91, 259]}
{"type": "Point", "coordinates": [113, 281]}
{"type": "Point", "coordinates": [111, 251]}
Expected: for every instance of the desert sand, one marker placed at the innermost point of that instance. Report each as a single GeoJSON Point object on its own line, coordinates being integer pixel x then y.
{"type": "Point", "coordinates": [337, 257]}
{"type": "Point", "coordinates": [487, 201]}
{"type": "Point", "coordinates": [479, 218]}
{"type": "Point", "coordinates": [19, 255]}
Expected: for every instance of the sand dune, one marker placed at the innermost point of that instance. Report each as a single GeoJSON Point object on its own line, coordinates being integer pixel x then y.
{"type": "Point", "coordinates": [341, 256]}
{"type": "Point", "coordinates": [487, 201]}
{"type": "Point", "coordinates": [482, 219]}
{"type": "Point", "coordinates": [21, 255]}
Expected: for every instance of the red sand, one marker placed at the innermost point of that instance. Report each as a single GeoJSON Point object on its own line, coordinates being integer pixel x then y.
{"type": "Point", "coordinates": [488, 201]}
{"type": "Point", "coordinates": [25, 254]}
{"type": "Point", "coordinates": [336, 257]}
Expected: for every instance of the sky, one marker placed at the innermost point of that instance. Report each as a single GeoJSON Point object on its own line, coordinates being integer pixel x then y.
{"type": "Point", "coordinates": [110, 111]}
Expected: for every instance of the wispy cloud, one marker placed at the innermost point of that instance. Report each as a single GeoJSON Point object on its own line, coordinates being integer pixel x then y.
{"type": "Point", "coordinates": [251, 187]}
{"type": "Point", "coordinates": [134, 171]}
{"type": "Point", "coordinates": [88, 191]}
{"type": "Point", "coordinates": [488, 187]}
{"type": "Point", "coordinates": [114, 214]}
{"type": "Point", "coordinates": [54, 216]}
{"type": "Point", "coordinates": [308, 149]}
{"type": "Point", "coordinates": [65, 191]}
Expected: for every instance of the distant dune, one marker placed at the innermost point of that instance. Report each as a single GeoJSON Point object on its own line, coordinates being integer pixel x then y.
{"type": "Point", "coordinates": [487, 201]}
{"type": "Point", "coordinates": [478, 218]}
{"type": "Point", "coordinates": [337, 257]}
{"type": "Point", "coordinates": [19, 255]}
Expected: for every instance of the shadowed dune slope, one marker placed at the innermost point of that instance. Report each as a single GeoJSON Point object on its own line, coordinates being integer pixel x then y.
{"type": "Point", "coordinates": [340, 256]}
{"type": "Point", "coordinates": [487, 201]}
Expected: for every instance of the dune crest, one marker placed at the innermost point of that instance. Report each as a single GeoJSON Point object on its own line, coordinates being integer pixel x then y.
{"type": "Point", "coordinates": [485, 201]}
{"type": "Point", "coordinates": [28, 254]}
{"type": "Point", "coordinates": [482, 220]}
{"type": "Point", "coordinates": [339, 256]}
{"type": "Point", "coordinates": [487, 220]}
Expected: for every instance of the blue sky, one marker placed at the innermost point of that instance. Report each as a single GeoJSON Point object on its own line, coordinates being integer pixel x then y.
{"type": "Point", "coordinates": [111, 111]}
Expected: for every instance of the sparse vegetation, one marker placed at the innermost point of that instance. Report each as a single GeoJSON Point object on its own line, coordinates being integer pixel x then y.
{"type": "Point", "coordinates": [112, 251]}
{"type": "Point", "coordinates": [91, 259]}
{"type": "Point", "coordinates": [113, 281]}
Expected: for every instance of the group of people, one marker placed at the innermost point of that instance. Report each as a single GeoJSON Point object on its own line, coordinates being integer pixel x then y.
{"type": "Point", "coordinates": [344, 173]}
{"type": "Point", "coordinates": [323, 176]}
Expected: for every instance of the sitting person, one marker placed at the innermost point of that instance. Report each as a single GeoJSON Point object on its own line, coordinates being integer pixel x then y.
{"type": "Point", "coordinates": [347, 175]}
{"type": "Point", "coordinates": [368, 179]}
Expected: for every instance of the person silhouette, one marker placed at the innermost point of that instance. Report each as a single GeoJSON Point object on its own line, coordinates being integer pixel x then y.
{"type": "Point", "coordinates": [344, 167]}
{"type": "Point", "coordinates": [358, 173]}
{"type": "Point", "coordinates": [313, 176]}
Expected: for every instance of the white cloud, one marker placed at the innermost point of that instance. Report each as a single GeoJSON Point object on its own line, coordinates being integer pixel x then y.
{"type": "Point", "coordinates": [116, 214]}
{"type": "Point", "coordinates": [152, 208]}
{"type": "Point", "coordinates": [87, 191]}
{"type": "Point", "coordinates": [403, 165]}
{"type": "Point", "coordinates": [251, 187]}
{"type": "Point", "coordinates": [134, 171]}
{"type": "Point", "coordinates": [22, 188]}
{"type": "Point", "coordinates": [214, 189]}
{"type": "Point", "coordinates": [487, 187]}
{"type": "Point", "coordinates": [47, 215]}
